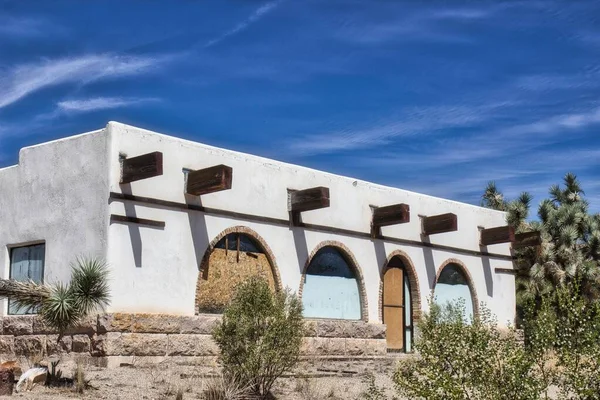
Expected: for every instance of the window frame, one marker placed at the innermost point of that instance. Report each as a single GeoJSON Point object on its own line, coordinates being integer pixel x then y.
{"type": "Point", "coordinates": [11, 249]}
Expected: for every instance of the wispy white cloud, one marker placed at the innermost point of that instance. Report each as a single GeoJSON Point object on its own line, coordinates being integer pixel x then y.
{"type": "Point", "coordinates": [27, 27]}
{"type": "Point", "coordinates": [254, 17]}
{"type": "Point", "coordinates": [100, 103]}
{"type": "Point", "coordinates": [412, 122]}
{"type": "Point", "coordinates": [23, 80]}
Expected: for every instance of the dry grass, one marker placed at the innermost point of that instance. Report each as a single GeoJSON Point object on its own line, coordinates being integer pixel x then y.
{"type": "Point", "coordinates": [221, 388]}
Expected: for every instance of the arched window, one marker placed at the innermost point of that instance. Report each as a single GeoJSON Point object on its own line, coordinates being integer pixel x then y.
{"type": "Point", "coordinates": [330, 287]}
{"type": "Point", "coordinates": [397, 306]}
{"type": "Point", "coordinates": [234, 259]}
{"type": "Point", "coordinates": [453, 286]}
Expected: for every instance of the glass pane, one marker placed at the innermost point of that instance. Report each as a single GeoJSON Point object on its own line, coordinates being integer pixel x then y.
{"type": "Point", "coordinates": [247, 244]}
{"type": "Point", "coordinates": [408, 339]}
{"type": "Point", "coordinates": [27, 263]}
{"type": "Point", "coordinates": [330, 287]}
{"type": "Point", "coordinates": [452, 287]}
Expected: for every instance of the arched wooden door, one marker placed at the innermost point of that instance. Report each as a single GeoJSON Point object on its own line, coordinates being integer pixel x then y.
{"type": "Point", "coordinates": [397, 313]}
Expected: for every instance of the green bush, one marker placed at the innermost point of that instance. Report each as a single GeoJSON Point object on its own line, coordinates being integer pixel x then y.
{"type": "Point", "coordinates": [564, 332]}
{"type": "Point", "coordinates": [458, 359]}
{"type": "Point", "coordinates": [260, 335]}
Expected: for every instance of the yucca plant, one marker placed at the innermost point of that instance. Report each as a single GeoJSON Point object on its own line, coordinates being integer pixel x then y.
{"type": "Point", "coordinates": [570, 248]}
{"type": "Point", "coordinates": [62, 306]}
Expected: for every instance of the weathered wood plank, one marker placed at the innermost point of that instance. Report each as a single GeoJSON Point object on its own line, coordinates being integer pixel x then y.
{"type": "Point", "coordinates": [209, 180]}
{"type": "Point", "coordinates": [500, 234]}
{"type": "Point", "coordinates": [389, 215]}
{"type": "Point", "coordinates": [527, 239]}
{"type": "Point", "coordinates": [141, 167]}
{"type": "Point", "coordinates": [309, 199]}
{"type": "Point", "coordinates": [134, 220]}
{"type": "Point", "coordinates": [440, 224]}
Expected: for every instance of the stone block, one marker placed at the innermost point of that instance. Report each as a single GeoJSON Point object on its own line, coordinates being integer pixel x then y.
{"type": "Point", "coordinates": [311, 328]}
{"type": "Point", "coordinates": [81, 344]}
{"type": "Point", "coordinates": [192, 345]}
{"type": "Point", "coordinates": [356, 347]}
{"type": "Point", "coordinates": [157, 323]}
{"type": "Point", "coordinates": [7, 346]}
{"type": "Point", "coordinates": [142, 344]}
{"type": "Point", "coordinates": [332, 328]}
{"type": "Point", "coordinates": [200, 324]}
{"type": "Point", "coordinates": [335, 346]}
{"type": "Point", "coordinates": [98, 344]}
{"type": "Point", "coordinates": [87, 326]}
{"type": "Point", "coordinates": [376, 331]}
{"type": "Point", "coordinates": [28, 346]}
{"type": "Point", "coordinates": [376, 347]}
{"type": "Point", "coordinates": [54, 346]}
{"type": "Point", "coordinates": [117, 322]}
{"type": "Point", "coordinates": [18, 325]}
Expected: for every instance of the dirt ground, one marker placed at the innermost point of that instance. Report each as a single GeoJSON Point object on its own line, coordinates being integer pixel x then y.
{"type": "Point", "coordinates": [312, 380]}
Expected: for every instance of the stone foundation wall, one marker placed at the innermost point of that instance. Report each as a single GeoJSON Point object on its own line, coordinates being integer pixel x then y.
{"type": "Point", "coordinates": [118, 334]}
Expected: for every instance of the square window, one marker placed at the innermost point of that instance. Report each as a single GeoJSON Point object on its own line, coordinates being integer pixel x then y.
{"type": "Point", "coordinates": [26, 263]}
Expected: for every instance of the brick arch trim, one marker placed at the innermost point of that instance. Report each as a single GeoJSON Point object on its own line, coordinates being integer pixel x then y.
{"type": "Point", "coordinates": [364, 307]}
{"type": "Point", "coordinates": [467, 274]}
{"type": "Point", "coordinates": [413, 279]}
{"type": "Point", "coordinates": [203, 267]}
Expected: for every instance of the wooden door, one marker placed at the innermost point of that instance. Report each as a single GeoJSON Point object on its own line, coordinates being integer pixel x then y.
{"type": "Point", "coordinates": [393, 307]}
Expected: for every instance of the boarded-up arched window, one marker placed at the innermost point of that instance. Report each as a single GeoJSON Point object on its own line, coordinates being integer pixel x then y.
{"type": "Point", "coordinates": [234, 259]}
{"type": "Point", "coordinates": [452, 286]}
{"type": "Point", "coordinates": [330, 287]}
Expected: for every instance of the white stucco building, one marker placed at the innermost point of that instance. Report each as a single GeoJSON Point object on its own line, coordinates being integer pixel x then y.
{"type": "Point", "coordinates": [64, 199]}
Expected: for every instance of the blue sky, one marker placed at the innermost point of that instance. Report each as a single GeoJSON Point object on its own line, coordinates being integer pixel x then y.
{"type": "Point", "coordinates": [435, 97]}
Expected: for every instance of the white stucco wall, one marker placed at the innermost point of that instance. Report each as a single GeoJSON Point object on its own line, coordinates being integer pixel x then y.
{"type": "Point", "coordinates": [57, 194]}
{"type": "Point", "coordinates": [155, 270]}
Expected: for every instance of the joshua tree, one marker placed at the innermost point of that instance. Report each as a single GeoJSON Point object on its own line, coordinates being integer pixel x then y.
{"type": "Point", "coordinates": [63, 306]}
{"type": "Point", "coordinates": [570, 248]}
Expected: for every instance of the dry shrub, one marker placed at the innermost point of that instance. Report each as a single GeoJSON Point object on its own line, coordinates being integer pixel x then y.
{"type": "Point", "coordinates": [260, 335]}
{"type": "Point", "coordinates": [221, 388]}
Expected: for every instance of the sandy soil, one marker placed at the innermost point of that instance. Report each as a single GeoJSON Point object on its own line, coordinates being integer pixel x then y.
{"type": "Point", "coordinates": [312, 380]}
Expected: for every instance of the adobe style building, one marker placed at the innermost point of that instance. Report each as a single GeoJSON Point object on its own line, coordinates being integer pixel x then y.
{"type": "Point", "coordinates": [181, 224]}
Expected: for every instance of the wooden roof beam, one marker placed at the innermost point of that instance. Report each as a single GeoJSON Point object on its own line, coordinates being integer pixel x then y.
{"type": "Point", "coordinates": [141, 167]}
{"type": "Point", "coordinates": [500, 234]}
{"type": "Point", "coordinates": [442, 223]}
{"type": "Point", "coordinates": [527, 239]}
{"type": "Point", "coordinates": [300, 201]}
{"type": "Point", "coordinates": [209, 180]}
{"type": "Point", "coordinates": [389, 215]}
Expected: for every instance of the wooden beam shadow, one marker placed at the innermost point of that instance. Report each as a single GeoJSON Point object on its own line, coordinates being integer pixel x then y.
{"type": "Point", "coordinates": [140, 221]}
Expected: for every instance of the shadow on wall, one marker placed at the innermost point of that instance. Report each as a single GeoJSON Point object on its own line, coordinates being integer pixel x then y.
{"type": "Point", "coordinates": [380, 255]}
{"type": "Point", "coordinates": [134, 229]}
{"type": "Point", "coordinates": [301, 248]}
{"type": "Point", "coordinates": [487, 273]}
{"type": "Point", "coordinates": [429, 263]}
{"type": "Point", "coordinates": [198, 229]}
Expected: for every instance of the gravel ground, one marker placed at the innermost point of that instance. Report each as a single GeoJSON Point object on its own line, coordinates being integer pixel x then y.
{"type": "Point", "coordinates": [312, 380]}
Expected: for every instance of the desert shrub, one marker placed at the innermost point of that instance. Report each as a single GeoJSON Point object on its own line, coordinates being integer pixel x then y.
{"type": "Point", "coordinates": [566, 331]}
{"type": "Point", "coordinates": [461, 359]}
{"type": "Point", "coordinates": [260, 335]}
